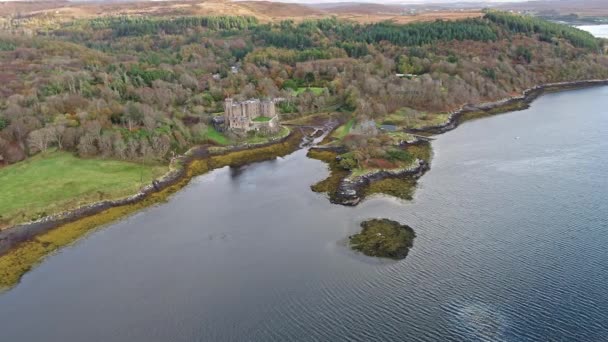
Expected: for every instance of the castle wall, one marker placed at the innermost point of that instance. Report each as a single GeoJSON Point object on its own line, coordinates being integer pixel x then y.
{"type": "Point", "coordinates": [239, 115]}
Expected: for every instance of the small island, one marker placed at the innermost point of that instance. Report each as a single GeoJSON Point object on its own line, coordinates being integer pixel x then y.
{"type": "Point", "coordinates": [383, 238]}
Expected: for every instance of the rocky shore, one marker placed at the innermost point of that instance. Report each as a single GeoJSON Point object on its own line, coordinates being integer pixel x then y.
{"type": "Point", "coordinates": [15, 235]}
{"type": "Point", "coordinates": [520, 102]}
{"type": "Point", "coordinates": [350, 191]}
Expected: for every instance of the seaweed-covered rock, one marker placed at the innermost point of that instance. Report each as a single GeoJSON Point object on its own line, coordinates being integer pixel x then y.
{"type": "Point", "coordinates": [383, 238]}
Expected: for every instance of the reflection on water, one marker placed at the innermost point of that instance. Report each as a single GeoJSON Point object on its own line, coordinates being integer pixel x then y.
{"type": "Point", "coordinates": [478, 322]}
{"type": "Point", "coordinates": [236, 171]}
{"type": "Point", "coordinates": [511, 246]}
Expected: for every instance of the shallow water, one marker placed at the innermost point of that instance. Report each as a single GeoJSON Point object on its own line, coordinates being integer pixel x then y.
{"type": "Point", "coordinates": [512, 229]}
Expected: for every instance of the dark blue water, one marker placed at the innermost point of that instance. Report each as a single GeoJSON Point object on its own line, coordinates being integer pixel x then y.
{"type": "Point", "coordinates": [512, 225]}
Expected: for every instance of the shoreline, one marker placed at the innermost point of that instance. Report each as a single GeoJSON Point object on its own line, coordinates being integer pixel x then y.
{"type": "Point", "coordinates": [178, 170]}
{"type": "Point", "coordinates": [23, 246]}
{"type": "Point", "coordinates": [351, 192]}
{"type": "Point", "coordinates": [520, 102]}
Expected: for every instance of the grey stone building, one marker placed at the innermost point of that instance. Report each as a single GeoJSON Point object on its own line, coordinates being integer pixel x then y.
{"type": "Point", "coordinates": [250, 115]}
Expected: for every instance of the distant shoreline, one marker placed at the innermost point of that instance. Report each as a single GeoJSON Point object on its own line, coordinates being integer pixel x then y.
{"type": "Point", "coordinates": [511, 104]}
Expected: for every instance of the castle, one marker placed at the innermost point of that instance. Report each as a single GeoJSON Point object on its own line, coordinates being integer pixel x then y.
{"type": "Point", "coordinates": [255, 114]}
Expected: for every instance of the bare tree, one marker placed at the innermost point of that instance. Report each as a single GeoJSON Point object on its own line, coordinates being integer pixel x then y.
{"type": "Point", "coordinates": [145, 150]}
{"type": "Point", "coordinates": [87, 145]}
{"type": "Point", "coordinates": [188, 81]}
{"type": "Point", "coordinates": [120, 148]}
{"type": "Point", "coordinates": [131, 150]}
{"type": "Point", "coordinates": [57, 131]}
{"type": "Point", "coordinates": [71, 137]}
{"type": "Point", "coordinates": [40, 140]}
{"type": "Point", "coordinates": [3, 149]}
{"type": "Point", "coordinates": [105, 145]}
{"type": "Point", "coordinates": [161, 145]}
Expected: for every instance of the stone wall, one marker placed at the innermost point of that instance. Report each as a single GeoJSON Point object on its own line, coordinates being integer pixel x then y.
{"type": "Point", "coordinates": [271, 126]}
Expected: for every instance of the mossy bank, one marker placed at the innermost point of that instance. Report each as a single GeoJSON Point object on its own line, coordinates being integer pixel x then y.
{"type": "Point", "coordinates": [344, 189]}
{"type": "Point", "coordinates": [383, 238]}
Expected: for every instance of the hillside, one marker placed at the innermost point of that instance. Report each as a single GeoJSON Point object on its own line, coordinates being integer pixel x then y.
{"type": "Point", "coordinates": [263, 10]}
{"type": "Point", "coordinates": [146, 87]}
{"type": "Point", "coordinates": [72, 10]}
{"type": "Point", "coordinates": [595, 8]}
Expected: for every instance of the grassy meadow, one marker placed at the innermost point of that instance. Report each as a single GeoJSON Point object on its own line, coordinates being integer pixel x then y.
{"type": "Point", "coordinates": [55, 181]}
{"type": "Point", "coordinates": [315, 90]}
{"type": "Point", "coordinates": [217, 137]}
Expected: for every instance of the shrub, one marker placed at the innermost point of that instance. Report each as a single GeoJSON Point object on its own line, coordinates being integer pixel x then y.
{"type": "Point", "coordinates": [523, 53]}
{"type": "Point", "coordinates": [348, 162]}
{"type": "Point", "coordinates": [401, 155]}
{"type": "Point", "coordinates": [3, 123]}
{"type": "Point", "coordinates": [489, 73]}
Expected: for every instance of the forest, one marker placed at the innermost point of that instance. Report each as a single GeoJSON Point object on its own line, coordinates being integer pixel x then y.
{"type": "Point", "coordinates": [145, 88]}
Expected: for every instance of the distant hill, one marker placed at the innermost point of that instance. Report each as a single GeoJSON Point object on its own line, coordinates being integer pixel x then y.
{"type": "Point", "coordinates": [580, 7]}
{"type": "Point", "coordinates": [263, 10]}
{"type": "Point", "coordinates": [267, 11]}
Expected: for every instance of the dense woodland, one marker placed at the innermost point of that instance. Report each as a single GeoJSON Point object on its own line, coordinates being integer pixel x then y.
{"type": "Point", "coordinates": [140, 88]}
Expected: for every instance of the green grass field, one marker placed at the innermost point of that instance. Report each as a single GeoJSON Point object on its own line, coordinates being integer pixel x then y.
{"type": "Point", "coordinates": [216, 136]}
{"type": "Point", "coordinates": [408, 118]}
{"type": "Point", "coordinates": [262, 119]}
{"type": "Point", "coordinates": [315, 90]}
{"type": "Point", "coordinates": [56, 181]}
{"type": "Point", "coordinates": [262, 139]}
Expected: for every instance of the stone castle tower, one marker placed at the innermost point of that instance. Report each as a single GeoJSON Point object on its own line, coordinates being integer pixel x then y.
{"type": "Point", "coordinates": [241, 115]}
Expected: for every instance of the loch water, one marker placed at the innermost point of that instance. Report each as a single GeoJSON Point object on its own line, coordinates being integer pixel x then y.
{"type": "Point", "coordinates": [512, 236]}
{"type": "Point", "coordinates": [600, 31]}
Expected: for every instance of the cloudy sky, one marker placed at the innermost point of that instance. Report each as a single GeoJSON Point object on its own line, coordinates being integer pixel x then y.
{"type": "Point", "coordinates": [396, 1]}
{"type": "Point", "coordinates": [334, 1]}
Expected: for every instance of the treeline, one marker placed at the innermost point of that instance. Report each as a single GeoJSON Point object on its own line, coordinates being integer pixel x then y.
{"type": "Point", "coordinates": [314, 33]}
{"type": "Point", "coordinates": [292, 39]}
{"type": "Point", "coordinates": [545, 29]}
{"type": "Point", "coordinates": [426, 33]}
{"type": "Point", "coordinates": [320, 33]}
{"type": "Point", "coordinates": [290, 56]}
{"type": "Point", "coordinates": [138, 26]}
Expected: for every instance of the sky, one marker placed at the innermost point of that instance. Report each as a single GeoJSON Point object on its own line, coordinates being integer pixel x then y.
{"type": "Point", "coordinates": [395, 1]}
{"type": "Point", "coordinates": [361, 1]}
{"type": "Point", "coordinates": [334, 1]}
